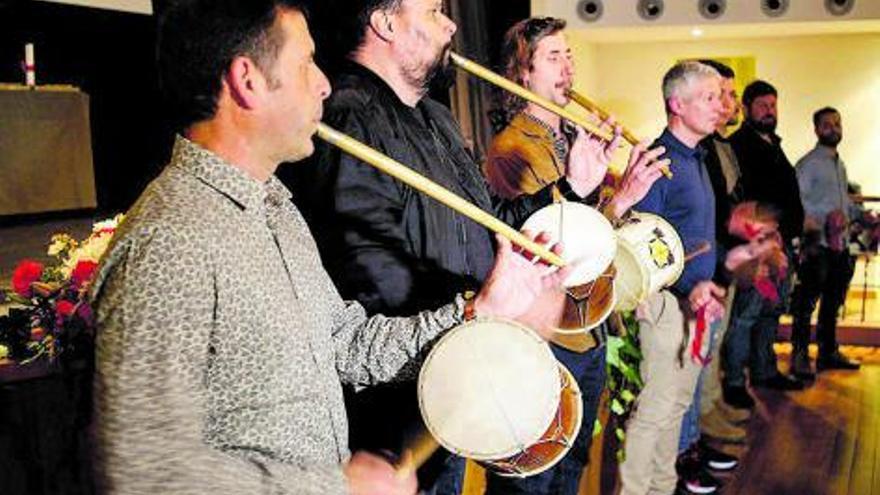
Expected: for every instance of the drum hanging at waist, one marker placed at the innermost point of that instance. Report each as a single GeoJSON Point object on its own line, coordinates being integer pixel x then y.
{"type": "Point", "coordinates": [492, 391]}
{"type": "Point", "coordinates": [650, 257]}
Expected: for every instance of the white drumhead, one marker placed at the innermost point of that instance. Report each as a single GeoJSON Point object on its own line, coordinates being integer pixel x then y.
{"type": "Point", "coordinates": [489, 389]}
{"type": "Point", "coordinates": [587, 237]}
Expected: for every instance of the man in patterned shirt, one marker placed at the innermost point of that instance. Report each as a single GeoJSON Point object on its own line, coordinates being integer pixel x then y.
{"type": "Point", "coordinates": [221, 341]}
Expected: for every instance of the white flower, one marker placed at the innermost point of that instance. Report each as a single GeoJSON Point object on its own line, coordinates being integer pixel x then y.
{"type": "Point", "coordinates": [110, 223]}
{"type": "Point", "coordinates": [92, 248]}
{"type": "Point", "coordinates": [60, 243]}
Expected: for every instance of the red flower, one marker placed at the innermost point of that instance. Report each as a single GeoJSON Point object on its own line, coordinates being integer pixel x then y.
{"type": "Point", "coordinates": [64, 308]}
{"type": "Point", "coordinates": [26, 273]}
{"type": "Point", "coordinates": [83, 272]}
{"type": "Point", "coordinates": [37, 333]}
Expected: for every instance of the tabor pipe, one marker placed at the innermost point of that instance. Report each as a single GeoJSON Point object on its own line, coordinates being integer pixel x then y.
{"type": "Point", "coordinates": [508, 85]}
{"type": "Point", "coordinates": [434, 190]}
{"type": "Point", "coordinates": [592, 107]}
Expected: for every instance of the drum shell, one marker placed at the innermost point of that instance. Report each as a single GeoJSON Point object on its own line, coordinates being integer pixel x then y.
{"type": "Point", "coordinates": [556, 440]}
{"type": "Point", "coordinates": [597, 299]}
{"type": "Point", "coordinates": [649, 258]}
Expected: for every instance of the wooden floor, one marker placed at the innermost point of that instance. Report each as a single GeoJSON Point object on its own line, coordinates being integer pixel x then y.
{"type": "Point", "coordinates": [824, 440]}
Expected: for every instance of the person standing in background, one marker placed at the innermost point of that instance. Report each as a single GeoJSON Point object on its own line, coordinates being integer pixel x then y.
{"type": "Point", "coordinates": [769, 179]}
{"type": "Point", "coordinates": [824, 270]}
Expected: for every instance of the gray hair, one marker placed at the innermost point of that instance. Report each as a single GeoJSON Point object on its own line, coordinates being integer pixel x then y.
{"type": "Point", "coordinates": [680, 78]}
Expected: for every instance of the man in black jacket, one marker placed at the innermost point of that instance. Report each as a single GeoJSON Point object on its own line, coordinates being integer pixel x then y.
{"type": "Point", "coordinates": [769, 178]}
{"type": "Point", "coordinates": [767, 174]}
{"type": "Point", "coordinates": [384, 244]}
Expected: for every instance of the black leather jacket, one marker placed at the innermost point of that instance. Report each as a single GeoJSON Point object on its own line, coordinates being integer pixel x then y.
{"type": "Point", "coordinates": [386, 245]}
{"type": "Point", "coordinates": [768, 177]}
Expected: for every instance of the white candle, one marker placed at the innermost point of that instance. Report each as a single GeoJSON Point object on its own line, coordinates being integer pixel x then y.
{"type": "Point", "coordinates": [30, 73]}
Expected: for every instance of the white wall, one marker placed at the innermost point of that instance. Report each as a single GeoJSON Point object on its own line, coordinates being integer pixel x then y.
{"type": "Point", "coordinates": [135, 6]}
{"type": "Point", "coordinates": [619, 13]}
{"type": "Point", "coordinates": [810, 72]}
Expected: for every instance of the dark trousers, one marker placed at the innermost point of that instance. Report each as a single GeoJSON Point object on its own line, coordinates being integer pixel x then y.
{"type": "Point", "coordinates": [749, 338]}
{"type": "Point", "coordinates": [822, 274]}
{"type": "Point", "coordinates": [384, 418]}
{"type": "Point", "coordinates": [563, 478]}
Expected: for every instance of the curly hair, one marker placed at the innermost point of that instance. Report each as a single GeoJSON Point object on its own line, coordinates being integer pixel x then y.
{"type": "Point", "coordinates": [517, 52]}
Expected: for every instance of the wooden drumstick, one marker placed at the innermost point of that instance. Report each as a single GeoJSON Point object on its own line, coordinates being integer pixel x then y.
{"type": "Point", "coordinates": [420, 182]}
{"type": "Point", "coordinates": [419, 450]}
{"type": "Point", "coordinates": [702, 249]}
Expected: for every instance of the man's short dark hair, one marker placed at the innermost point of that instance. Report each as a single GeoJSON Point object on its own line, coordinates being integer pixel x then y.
{"type": "Point", "coordinates": [339, 28]}
{"type": "Point", "coordinates": [197, 41]}
{"type": "Point", "coordinates": [755, 90]}
{"type": "Point", "coordinates": [723, 69]}
{"type": "Point", "coordinates": [817, 116]}
{"type": "Point", "coordinates": [363, 10]}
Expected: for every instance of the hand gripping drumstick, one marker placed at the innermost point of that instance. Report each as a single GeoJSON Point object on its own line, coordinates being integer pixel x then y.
{"type": "Point", "coordinates": [416, 453]}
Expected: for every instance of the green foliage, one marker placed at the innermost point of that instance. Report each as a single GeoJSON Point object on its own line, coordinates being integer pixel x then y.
{"type": "Point", "coordinates": [624, 381]}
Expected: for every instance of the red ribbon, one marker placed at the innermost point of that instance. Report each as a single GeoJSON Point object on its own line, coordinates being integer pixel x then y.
{"type": "Point", "coordinates": [698, 338]}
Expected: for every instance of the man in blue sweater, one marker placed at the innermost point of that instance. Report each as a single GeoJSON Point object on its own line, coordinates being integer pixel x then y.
{"type": "Point", "coordinates": [672, 320]}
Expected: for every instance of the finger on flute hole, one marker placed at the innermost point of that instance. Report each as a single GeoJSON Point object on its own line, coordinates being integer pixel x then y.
{"type": "Point", "coordinates": [543, 237]}
{"type": "Point", "coordinates": [555, 248]}
{"type": "Point", "coordinates": [656, 152]}
{"type": "Point", "coordinates": [516, 248]}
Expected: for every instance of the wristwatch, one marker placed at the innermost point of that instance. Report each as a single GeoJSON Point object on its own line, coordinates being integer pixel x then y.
{"type": "Point", "coordinates": [568, 193]}
{"type": "Point", "coordinates": [565, 189]}
{"type": "Point", "coordinates": [470, 307]}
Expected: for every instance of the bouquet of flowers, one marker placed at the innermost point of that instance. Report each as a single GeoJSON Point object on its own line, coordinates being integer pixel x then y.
{"type": "Point", "coordinates": [49, 314]}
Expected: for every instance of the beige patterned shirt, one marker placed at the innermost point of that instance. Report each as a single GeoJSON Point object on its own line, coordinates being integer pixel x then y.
{"type": "Point", "coordinates": [222, 342]}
